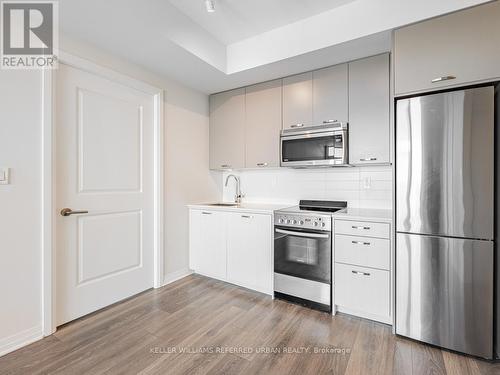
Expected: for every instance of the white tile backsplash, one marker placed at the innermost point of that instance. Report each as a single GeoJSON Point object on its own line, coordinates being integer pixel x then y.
{"type": "Point", "coordinates": [367, 187]}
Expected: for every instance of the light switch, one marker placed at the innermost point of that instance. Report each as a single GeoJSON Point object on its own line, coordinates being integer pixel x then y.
{"type": "Point", "coordinates": [4, 176]}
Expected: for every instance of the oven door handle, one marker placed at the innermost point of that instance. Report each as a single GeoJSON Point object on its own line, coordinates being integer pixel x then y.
{"type": "Point", "coordinates": [302, 234]}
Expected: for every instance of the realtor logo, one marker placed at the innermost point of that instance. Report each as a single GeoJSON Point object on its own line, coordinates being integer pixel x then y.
{"type": "Point", "coordinates": [29, 34]}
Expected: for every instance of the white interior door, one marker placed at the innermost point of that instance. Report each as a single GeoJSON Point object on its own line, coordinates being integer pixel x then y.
{"type": "Point", "coordinates": [104, 165]}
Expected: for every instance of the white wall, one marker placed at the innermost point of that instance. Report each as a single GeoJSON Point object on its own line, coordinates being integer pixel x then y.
{"type": "Point", "coordinates": [187, 180]}
{"type": "Point", "coordinates": [367, 187]}
{"type": "Point", "coordinates": [20, 207]}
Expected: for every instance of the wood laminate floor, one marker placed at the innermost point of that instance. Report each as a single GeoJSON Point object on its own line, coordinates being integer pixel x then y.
{"type": "Point", "coordinates": [202, 326]}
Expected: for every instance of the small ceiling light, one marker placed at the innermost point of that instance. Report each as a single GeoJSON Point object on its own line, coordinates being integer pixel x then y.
{"type": "Point", "coordinates": [210, 4]}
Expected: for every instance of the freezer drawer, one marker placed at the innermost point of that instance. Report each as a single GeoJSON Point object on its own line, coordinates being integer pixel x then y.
{"type": "Point", "coordinates": [444, 292]}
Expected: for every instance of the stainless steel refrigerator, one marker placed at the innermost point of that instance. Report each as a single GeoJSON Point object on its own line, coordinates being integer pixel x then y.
{"type": "Point", "coordinates": [445, 240]}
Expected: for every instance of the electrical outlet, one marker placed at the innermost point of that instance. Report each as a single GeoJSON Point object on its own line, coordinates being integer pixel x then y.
{"type": "Point", "coordinates": [4, 176]}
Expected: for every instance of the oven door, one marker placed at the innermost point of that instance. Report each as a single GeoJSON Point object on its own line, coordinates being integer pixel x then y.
{"type": "Point", "coordinates": [314, 149]}
{"type": "Point", "coordinates": [303, 254]}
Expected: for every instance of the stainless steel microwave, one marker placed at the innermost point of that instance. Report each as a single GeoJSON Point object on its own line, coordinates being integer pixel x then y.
{"type": "Point", "coordinates": [315, 146]}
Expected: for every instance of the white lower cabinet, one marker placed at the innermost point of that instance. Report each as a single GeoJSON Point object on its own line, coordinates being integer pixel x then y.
{"type": "Point", "coordinates": [362, 228]}
{"type": "Point", "coordinates": [207, 250]}
{"type": "Point", "coordinates": [363, 291]}
{"type": "Point", "coordinates": [232, 246]}
{"type": "Point", "coordinates": [363, 251]}
{"type": "Point", "coordinates": [362, 269]}
{"type": "Point", "coordinates": [249, 252]}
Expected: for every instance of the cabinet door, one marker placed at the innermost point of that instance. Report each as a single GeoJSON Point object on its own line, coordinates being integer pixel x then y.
{"type": "Point", "coordinates": [227, 129]}
{"type": "Point", "coordinates": [297, 101]}
{"type": "Point", "coordinates": [249, 252]}
{"type": "Point", "coordinates": [363, 291]}
{"type": "Point", "coordinates": [207, 247]}
{"type": "Point", "coordinates": [464, 45]}
{"type": "Point", "coordinates": [263, 124]}
{"type": "Point", "coordinates": [369, 124]}
{"type": "Point", "coordinates": [330, 95]}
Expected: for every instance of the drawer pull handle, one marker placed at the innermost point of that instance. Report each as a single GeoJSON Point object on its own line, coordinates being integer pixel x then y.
{"type": "Point", "coordinates": [246, 216]}
{"type": "Point", "coordinates": [368, 159]}
{"type": "Point", "coordinates": [226, 166]}
{"type": "Point", "coordinates": [206, 213]}
{"type": "Point", "coordinates": [261, 164]}
{"type": "Point", "coordinates": [361, 243]}
{"type": "Point", "coordinates": [360, 273]}
{"type": "Point", "coordinates": [297, 126]}
{"type": "Point", "coordinates": [441, 79]}
{"type": "Point", "coordinates": [360, 227]}
{"type": "Point", "coordinates": [330, 121]}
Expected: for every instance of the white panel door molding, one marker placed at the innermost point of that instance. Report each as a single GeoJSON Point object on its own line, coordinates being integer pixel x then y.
{"type": "Point", "coordinates": [105, 120]}
{"type": "Point", "coordinates": [105, 164]}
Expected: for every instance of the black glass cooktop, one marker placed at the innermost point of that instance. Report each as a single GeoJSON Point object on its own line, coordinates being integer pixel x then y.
{"type": "Point", "coordinates": [323, 206]}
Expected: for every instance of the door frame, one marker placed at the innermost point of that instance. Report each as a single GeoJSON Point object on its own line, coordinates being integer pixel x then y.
{"type": "Point", "coordinates": [49, 177]}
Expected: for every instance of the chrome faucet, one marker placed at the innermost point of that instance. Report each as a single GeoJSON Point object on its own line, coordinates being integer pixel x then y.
{"type": "Point", "coordinates": [239, 195]}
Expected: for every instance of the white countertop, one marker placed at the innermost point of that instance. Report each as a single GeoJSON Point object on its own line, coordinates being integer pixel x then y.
{"type": "Point", "coordinates": [257, 208]}
{"type": "Point", "coordinates": [362, 214]}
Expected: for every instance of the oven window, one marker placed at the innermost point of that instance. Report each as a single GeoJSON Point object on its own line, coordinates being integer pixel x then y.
{"type": "Point", "coordinates": [299, 256]}
{"type": "Point", "coordinates": [308, 149]}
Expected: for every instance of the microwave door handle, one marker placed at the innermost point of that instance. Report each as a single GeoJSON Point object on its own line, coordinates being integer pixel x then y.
{"type": "Point", "coordinates": [302, 234]}
{"type": "Point", "coordinates": [345, 145]}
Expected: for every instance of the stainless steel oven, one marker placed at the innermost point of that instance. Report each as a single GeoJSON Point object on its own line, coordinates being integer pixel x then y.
{"type": "Point", "coordinates": [315, 146]}
{"type": "Point", "coordinates": [303, 257]}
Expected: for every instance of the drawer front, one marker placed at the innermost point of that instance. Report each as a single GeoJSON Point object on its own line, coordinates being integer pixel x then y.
{"type": "Point", "coordinates": [362, 251]}
{"type": "Point", "coordinates": [362, 289]}
{"type": "Point", "coordinates": [362, 228]}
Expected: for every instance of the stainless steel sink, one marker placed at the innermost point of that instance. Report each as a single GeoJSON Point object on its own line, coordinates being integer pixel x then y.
{"type": "Point", "coordinates": [223, 204]}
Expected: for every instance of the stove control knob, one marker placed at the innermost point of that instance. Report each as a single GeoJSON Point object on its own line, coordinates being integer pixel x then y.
{"type": "Point", "coordinates": [280, 220]}
{"type": "Point", "coordinates": [316, 223]}
{"type": "Point", "coordinates": [323, 225]}
{"type": "Point", "coordinates": [301, 222]}
{"type": "Point", "coordinates": [293, 222]}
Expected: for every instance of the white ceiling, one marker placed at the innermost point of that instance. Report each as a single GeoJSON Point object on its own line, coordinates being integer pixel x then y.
{"type": "Point", "coordinates": [235, 20]}
{"type": "Point", "coordinates": [244, 41]}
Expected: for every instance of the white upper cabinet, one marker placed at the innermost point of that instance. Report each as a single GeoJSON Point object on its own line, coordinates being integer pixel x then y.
{"type": "Point", "coordinates": [330, 95]}
{"type": "Point", "coordinates": [369, 106]}
{"type": "Point", "coordinates": [245, 123]}
{"type": "Point", "coordinates": [297, 101]}
{"type": "Point", "coordinates": [227, 129]}
{"type": "Point", "coordinates": [452, 50]}
{"type": "Point", "coordinates": [263, 124]}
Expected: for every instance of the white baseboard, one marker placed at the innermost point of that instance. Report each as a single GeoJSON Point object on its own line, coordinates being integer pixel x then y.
{"type": "Point", "coordinates": [18, 340]}
{"type": "Point", "coordinates": [177, 275]}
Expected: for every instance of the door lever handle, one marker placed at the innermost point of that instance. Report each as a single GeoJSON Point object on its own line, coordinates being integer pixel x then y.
{"type": "Point", "coordinates": [69, 212]}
